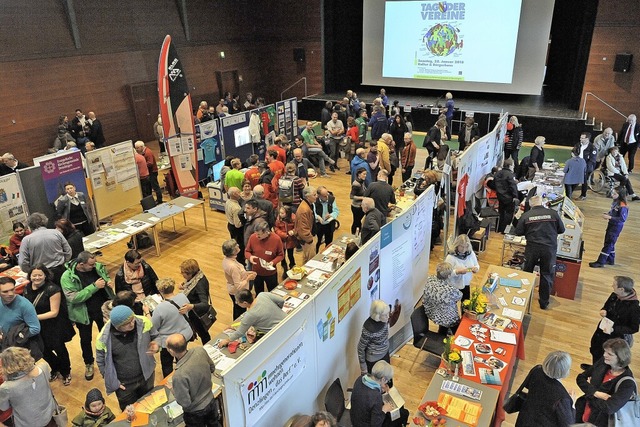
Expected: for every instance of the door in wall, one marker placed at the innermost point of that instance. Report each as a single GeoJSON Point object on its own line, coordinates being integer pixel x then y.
{"type": "Point", "coordinates": [144, 99]}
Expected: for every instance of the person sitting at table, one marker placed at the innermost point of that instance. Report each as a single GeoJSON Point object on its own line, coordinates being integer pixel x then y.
{"type": "Point", "coordinates": [19, 232]}
{"type": "Point", "coordinates": [605, 392]}
{"type": "Point", "coordinates": [374, 338]}
{"type": "Point", "coordinates": [367, 406]}
{"type": "Point", "coordinates": [73, 236]}
{"type": "Point", "coordinates": [548, 403]}
{"type": "Point", "coordinates": [168, 320]}
{"type": "Point", "coordinates": [440, 299]}
{"type": "Point", "coordinates": [94, 412]}
{"type": "Point", "coordinates": [263, 314]}
{"type": "Point", "coordinates": [464, 263]}
{"type": "Point", "coordinates": [136, 275]}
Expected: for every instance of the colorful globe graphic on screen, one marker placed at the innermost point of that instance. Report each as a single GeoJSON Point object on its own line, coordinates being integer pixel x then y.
{"type": "Point", "coordinates": [442, 40]}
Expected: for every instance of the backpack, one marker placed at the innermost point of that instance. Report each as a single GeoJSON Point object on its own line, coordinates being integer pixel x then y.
{"type": "Point", "coordinates": [286, 187]}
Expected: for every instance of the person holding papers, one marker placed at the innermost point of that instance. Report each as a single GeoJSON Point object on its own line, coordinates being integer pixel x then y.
{"type": "Point", "coordinates": [464, 263]}
{"type": "Point", "coordinates": [620, 316]}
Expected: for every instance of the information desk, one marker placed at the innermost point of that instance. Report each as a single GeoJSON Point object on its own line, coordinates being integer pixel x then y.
{"type": "Point", "coordinates": [508, 293]}
{"type": "Point", "coordinates": [136, 224]}
{"type": "Point", "coordinates": [161, 398]}
{"type": "Point", "coordinates": [488, 400]}
{"type": "Point", "coordinates": [503, 361]}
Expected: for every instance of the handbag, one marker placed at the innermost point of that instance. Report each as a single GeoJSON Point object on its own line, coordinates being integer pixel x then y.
{"type": "Point", "coordinates": [629, 414]}
{"type": "Point", "coordinates": [515, 402]}
{"type": "Point", "coordinates": [209, 317]}
{"type": "Point", "coordinates": [60, 415]}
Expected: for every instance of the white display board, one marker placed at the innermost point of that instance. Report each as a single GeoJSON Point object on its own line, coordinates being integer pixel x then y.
{"type": "Point", "coordinates": [476, 162]}
{"type": "Point", "coordinates": [289, 370]}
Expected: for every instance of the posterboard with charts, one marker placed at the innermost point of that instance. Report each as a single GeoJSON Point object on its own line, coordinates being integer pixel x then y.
{"type": "Point", "coordinates": [113, 175]}
{"type": "Point", "coordinates": [12, 207]}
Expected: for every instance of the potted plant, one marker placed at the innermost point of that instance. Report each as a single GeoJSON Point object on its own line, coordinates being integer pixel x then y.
{"type": "Point", "coordinates": [476, 306]}
{"type": "Point", "coordinates": [451, 356]}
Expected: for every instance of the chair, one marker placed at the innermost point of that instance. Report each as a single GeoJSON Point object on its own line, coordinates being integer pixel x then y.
{"type": "Point", "coordinates": [148, 203]}
{"type": "Point", "coordinates": [334, 403]}
{"type": "Point", "coordinates": [423, 338]}
{"type": "Point", "coordinates": [479, 238]}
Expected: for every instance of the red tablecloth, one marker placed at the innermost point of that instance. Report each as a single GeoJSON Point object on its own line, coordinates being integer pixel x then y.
{"type": "Point", "coordinates": [512, 351]}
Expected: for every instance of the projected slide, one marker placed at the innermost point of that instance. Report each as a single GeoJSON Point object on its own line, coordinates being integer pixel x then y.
{"type": "Point", "coordinates": [472, 41]}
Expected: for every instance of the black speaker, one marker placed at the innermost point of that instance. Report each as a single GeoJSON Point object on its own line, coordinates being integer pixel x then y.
{"type": "Point", "coordinates": [623, 62]}
{"type": "Point", "coordinates": [298, 54]}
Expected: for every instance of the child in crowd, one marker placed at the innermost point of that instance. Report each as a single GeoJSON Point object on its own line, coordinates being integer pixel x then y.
{"type": "Point", "coordinates": [95, 413]}
{"type": "Point", "coordinates": [285, 229]}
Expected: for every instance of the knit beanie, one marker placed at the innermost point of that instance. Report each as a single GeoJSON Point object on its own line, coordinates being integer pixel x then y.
{"type": "Point", "coordinates": [120, 315]}
{"type": "Point", "coordinates": [93, 396]}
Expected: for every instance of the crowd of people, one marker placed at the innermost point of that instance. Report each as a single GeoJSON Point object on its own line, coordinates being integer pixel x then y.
{"type": "Point", "coordinates": [272, 211]}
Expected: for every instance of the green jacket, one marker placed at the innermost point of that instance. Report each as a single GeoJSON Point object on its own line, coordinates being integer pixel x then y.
{"type": "Point", "coordinates": [85, 420]}
{"type": "Point", "coordinates": [77, 295]}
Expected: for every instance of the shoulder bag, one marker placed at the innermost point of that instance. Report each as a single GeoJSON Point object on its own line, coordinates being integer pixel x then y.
{"type": "Point", "coordinates": [515, 402]}
{"type": "Point", "coordinates": [629, 414]}
{"type": "Point", "coordinates": [209, 317]}
{"type": "Point", "coordinates": [59, 415]}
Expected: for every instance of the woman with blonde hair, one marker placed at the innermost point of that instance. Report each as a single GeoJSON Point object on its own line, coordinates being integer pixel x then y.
{"type": "Point", "coordinates": [464, 263]}
{"type": "Point", "coordinates": [26, 389]}
{"type": "Point", "coordinates": [196, 288]}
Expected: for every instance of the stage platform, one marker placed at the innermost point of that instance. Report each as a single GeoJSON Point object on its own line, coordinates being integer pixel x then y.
{"type": "Point", "coordinates": [538, 115]}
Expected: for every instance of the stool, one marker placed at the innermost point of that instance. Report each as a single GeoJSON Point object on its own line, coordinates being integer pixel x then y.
{"type": "Point", "coordinates": [479, 238]}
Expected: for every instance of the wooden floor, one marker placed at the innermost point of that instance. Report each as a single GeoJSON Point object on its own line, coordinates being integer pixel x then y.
{"type": "Point", "coordinates": [567, 325]}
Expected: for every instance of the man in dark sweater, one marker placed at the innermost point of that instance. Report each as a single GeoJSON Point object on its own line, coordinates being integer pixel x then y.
{"type": "Point", "coordinates": [382, 193]}
{"type": "Point", "coordinates": [507, 191]}
{"type": "Point", "coordinates": [192, 383]}
{"type": "Point", "coordinates": [541, 227]}
{"type": "Point", "coordinates": [372, 222]}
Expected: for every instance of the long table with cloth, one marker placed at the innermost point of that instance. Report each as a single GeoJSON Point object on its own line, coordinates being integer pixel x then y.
{"type": "Point", "coordinates": [155, 403]}
{"type": "Point", "coordinates": [501, 357]}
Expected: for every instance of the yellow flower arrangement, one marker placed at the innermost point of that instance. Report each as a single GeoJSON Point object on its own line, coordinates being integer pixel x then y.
{"type": "Point", "coordinates": [477, 303]}
{"type": "Point", "coordinates": [451, 355]}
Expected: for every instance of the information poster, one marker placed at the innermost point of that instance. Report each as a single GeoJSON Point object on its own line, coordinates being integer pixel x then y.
{"type": "Point", "coordinates": [269, 381]}
{"type": "Point", "coordinates": [60, 170]}
{"type": "Point", "coordinates": [349, 294]}
{"type": "Point", "coordinates": [458, 40]}
{"type": "Point", "coordinates": [11, 206]}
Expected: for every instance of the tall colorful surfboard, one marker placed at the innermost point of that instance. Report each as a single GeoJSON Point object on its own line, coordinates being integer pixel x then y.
{"type": "Point", "coordinates": [177, 120]}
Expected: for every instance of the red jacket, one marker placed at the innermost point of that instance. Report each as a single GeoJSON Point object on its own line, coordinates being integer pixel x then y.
{"type": "Point", "coordinates": [282, 153]}
{"type": "Point", "coordinates": [282, 229]}
{"type": "Point", "coordinates": [269, 249]}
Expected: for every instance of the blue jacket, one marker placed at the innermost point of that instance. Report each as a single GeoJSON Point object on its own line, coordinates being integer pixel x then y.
{"type": "Point", "coordinates": [379, 125]}
{"type": "Point", "coordinates": [574, 171]}
{"type": "Point", "coordinates": [357, 163]}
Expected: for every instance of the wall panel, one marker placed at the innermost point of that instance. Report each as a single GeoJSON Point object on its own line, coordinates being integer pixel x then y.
{"type": "Point", "coordinates": [44, 75]}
